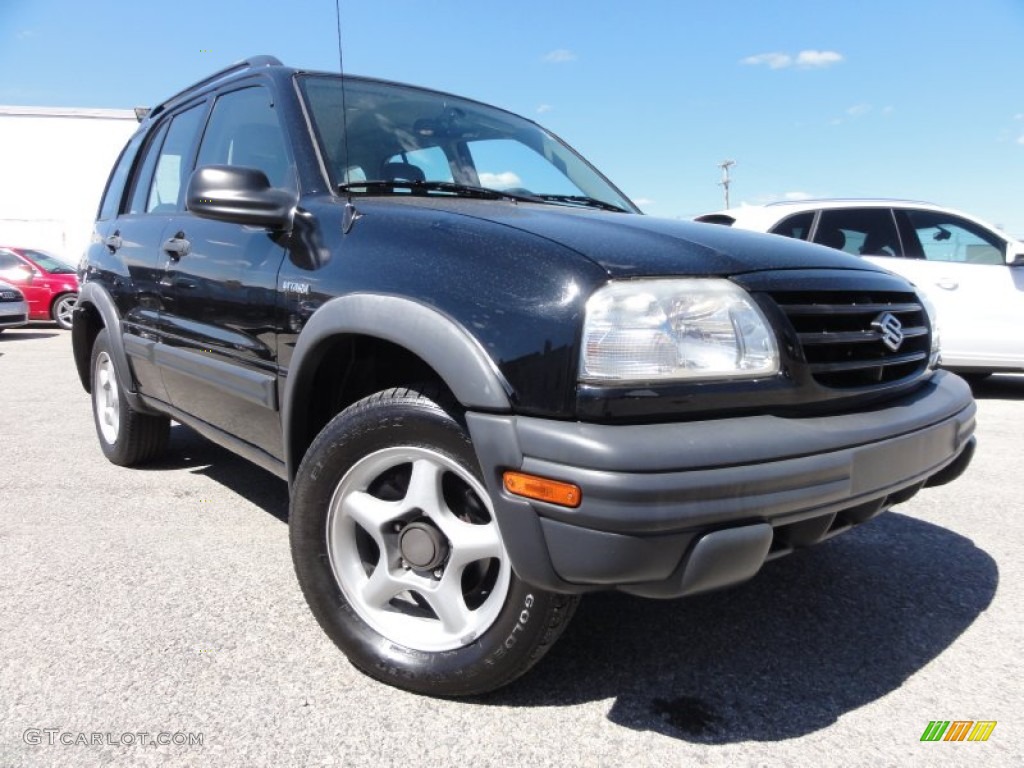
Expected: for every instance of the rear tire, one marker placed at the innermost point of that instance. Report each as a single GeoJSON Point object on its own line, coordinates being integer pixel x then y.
{"type": "Point", "coordinates": [127, 436]}
{"type": "Point", "coordinates": [397, 549]}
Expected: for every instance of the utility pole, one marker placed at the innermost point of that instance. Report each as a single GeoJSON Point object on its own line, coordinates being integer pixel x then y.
{"type": "Point", "coordinates": [725, 165]}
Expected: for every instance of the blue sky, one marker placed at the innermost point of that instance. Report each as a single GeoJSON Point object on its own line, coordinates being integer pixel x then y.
{"type": "Point", "coordinates": [890, 98]}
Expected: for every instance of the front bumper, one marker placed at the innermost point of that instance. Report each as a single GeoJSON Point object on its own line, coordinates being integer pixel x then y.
{"type": "Point", "coordinates": [675, 509]}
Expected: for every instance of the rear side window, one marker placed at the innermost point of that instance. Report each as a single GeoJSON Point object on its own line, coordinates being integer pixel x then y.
{"type": "Point", "coordinates": [797, 226]}
{"type": "Point", "coordinates": [114, 192]}
{"type": "Point", "coordinates": [144, 176]}
{"type": "Point", "coordinates": [173, 165]}
{"type": "Point", "coordinates": [11, 267]}
{"type": "Point", "coordinates": [860, 231]}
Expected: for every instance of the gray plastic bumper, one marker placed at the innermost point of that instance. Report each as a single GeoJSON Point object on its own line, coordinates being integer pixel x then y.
{"type": "Point", "coordinates": [673, 509]}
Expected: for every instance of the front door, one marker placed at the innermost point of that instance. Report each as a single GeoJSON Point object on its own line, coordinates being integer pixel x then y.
{"type": "Point", "coordinates": [962, 268]}
{"type": "Point", "coordinates": [220, 318]}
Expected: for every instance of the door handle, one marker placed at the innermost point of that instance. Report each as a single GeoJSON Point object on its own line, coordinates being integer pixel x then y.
{"type": "Point", "coordinates": [114, 241]}
{"type": "Point", "coordinates": [177, 246]}
{"type": "Point", "coordinates": [947, 283]}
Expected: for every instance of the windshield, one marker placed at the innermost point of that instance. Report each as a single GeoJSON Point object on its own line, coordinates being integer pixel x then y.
{"type": "Point", "coordinates": [50, 263]}
{"type": "Point", "coordinates": [405, 134]}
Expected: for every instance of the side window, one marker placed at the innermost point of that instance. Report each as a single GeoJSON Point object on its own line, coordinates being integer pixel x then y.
{"type": "Point", "coordinates": [860, 231]}
{"type": "Point", "coordinates": [950, 238]}
{"type": "Point", "coordinates": [173, 163]}
{"type": "Point", "coordinates": [244, 130]}
{"type": "Point", "coordinates": [114, 192]}
{"type": "Point", "coordinates": [144, 176]}
{"type": "Point", "coordinates": [12, 268]}
{"type": "Point", "coordinates": [797, 226]}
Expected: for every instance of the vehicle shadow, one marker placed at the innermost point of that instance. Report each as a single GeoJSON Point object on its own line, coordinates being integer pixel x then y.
{"type": "Point", "coordinates": [999, 386]}
{"type": "Point", "coordinates": [13, 334]}
{"type": "Point", "coordinates": [190, 450]}
{"type": "Point", "coordinates": [812, 637]}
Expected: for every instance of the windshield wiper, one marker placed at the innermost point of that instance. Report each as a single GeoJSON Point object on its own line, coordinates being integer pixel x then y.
{"type": "Point", "coordinates": [469, 190]}
{"type": "Point", "coordinates": [464, 190]}
{"type": "Point", "coordinates": [589, 202]}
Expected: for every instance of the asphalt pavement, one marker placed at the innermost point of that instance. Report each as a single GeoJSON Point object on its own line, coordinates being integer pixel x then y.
{"type": "Point", "coordinates": [152, 605]}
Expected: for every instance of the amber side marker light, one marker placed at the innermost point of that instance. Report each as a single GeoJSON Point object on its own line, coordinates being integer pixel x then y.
{"type": "Point", "coordinates": [543, 489]}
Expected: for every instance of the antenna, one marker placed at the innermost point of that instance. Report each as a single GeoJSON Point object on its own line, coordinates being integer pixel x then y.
{"type": "Point", "coordinates": [350, 210]}
{"type": "Point", "coordinates": [725, 165]}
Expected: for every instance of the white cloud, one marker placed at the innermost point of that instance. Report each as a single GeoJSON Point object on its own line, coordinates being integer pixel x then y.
{"type": "Point", "coordinates": [809, 59]}
{"type": "Point", "coordinates": [26, 33]}
{"type": "Point", "coordinates": [544, 108]}
{"type": "Point", "coordinates": [797, 196]}
{"type": "Point", "coordinates": [1020, 139]}
{"type": "Point", "coordinates": [559, 56]}
{"type": "Point", "coordinates": [773, 60]}
{"type": "Point", "coordinates": [643, 202]}
{"type": "Point", "coordinates": [500, 180]}
{"type": "Point", "coordinates": [858, 110]}
{"type": "Point", "coordinates": [817, 59]}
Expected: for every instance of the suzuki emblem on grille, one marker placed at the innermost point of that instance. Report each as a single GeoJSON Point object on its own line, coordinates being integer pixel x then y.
{"type": "Point", "coordinates": [890, 328]}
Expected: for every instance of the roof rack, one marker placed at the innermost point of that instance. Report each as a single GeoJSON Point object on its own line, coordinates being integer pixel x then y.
{"type": "Point", "coordinates": [251, 63]}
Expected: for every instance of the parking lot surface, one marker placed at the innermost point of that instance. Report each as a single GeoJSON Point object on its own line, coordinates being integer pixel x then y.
{"type": "Point", "coordinates": [159, 605]}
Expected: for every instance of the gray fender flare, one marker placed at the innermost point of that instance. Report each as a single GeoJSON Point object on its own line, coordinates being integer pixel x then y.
{"type": "Point", "coordinates": [440, 341]}
{"type": "Point", "coordinates": [96, 296]}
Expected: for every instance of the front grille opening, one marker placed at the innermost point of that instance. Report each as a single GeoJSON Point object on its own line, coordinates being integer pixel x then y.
{"type": "Point", "coordinates": [843, 335]}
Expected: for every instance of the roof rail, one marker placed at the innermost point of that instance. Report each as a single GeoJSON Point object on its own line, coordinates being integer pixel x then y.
{"type": "Point", "coordinates": [251, 63]}
{"type": "Point", "coordinates": [847, 200]}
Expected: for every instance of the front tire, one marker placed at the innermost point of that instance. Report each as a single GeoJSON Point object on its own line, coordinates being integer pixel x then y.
{"type": "Point", "coordinates": [127, 436]}
{"type": "Point", "coordinates": [397, 549]}
{"type": "Point", "coordinates": [63, 310]}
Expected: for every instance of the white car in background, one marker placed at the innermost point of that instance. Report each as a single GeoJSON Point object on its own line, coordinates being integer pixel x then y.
{"type": "Point", "coordinates": [971, 271]}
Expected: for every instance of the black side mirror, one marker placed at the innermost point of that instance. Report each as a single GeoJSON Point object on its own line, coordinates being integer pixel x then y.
{"type": "Point", "coordinates": [239, 195]}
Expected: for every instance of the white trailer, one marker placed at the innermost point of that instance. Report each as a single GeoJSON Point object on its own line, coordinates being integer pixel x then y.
{"type": "Point", "coordinates": [54, 163]}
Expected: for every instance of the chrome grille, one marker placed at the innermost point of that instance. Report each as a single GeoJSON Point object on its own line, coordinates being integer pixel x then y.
{"type": "Point", "coordinates": [842, 335]}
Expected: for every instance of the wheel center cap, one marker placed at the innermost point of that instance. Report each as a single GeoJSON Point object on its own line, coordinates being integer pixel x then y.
{"type": "Point", "coordinates": [422, 546]}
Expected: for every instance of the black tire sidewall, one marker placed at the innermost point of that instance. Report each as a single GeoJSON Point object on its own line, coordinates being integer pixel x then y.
{"type": "Point", "coordinates": [498, 655]}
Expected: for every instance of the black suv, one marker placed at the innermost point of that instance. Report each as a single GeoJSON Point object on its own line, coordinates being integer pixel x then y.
{"type": "Point", "coordinates": [491, 384]}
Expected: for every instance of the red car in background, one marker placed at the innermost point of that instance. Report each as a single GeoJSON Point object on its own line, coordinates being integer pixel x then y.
{"type": "Point", "coordinates": [49, 284]}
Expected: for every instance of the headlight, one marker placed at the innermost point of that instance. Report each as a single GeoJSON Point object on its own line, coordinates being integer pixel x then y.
{"type": "Point", "coordinates": [680, 329]}
{"type": "Point", "coordinates": [933, 319]}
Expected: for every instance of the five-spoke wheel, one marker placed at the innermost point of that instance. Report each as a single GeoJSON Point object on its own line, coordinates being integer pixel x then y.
{"type": "Point", "coordinates": [64, 309]}
{"type": "Point", "coordinates": [127, 436]}
{"type": "Point", "coordinates": [399, 552]}
{"type": "Point", "coordinates": [414, 545]}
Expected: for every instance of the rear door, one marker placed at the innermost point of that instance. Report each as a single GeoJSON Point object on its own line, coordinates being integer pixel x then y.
{"type": "Point", "coordinates": [220, 319]}
{"type": "Point", "coordinates": [154, 195]}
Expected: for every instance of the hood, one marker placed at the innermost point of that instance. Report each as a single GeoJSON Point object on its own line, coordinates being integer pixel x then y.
{"type": "Point", "coordinates": [633, 245]}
